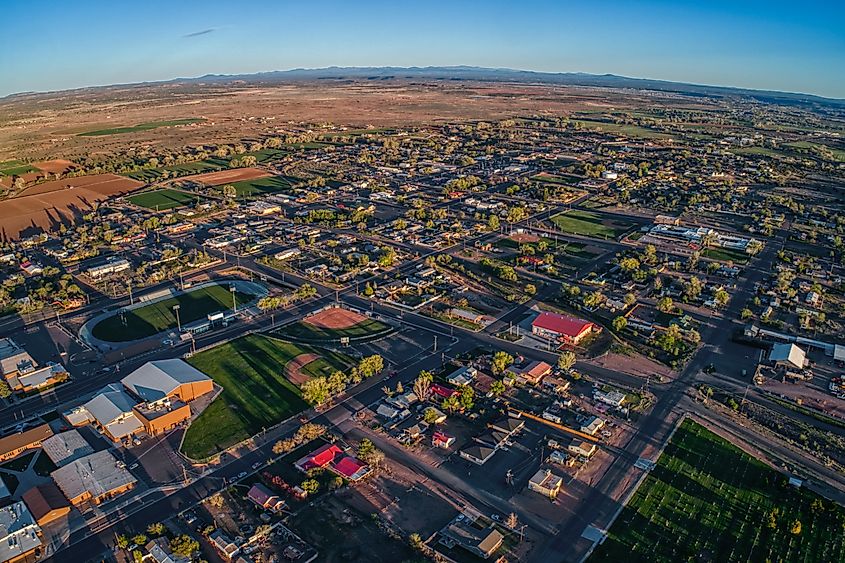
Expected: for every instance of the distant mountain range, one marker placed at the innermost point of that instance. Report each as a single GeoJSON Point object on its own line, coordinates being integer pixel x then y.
{"type": "Point", "coordinates": [511, 75]}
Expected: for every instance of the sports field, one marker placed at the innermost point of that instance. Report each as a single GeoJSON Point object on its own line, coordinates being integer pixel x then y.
{"type": "Point", "coordinates": [261, 186]}
{"type": "Point", "coordinates": [256, 393]}
{"type": "Point", "coordinates": [162, 200]}
{"type": "Point", "coordinates": [726, 254]}
{"type": "Point", "coordinates": [140, 127]}
{"type": "Point", "coordinates": [332, 324]}
{"type": "Point", "coordinates": [622, 129]}
{"type": "Point", "coordinates": [591, 224]}
{"type": "Point", "coordinates": [159, 316]}
{"type": "Point", "coordinates": [707, 500]}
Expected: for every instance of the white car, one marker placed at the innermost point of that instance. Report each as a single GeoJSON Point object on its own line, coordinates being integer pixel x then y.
{"type": "Point", "coordinates": [241, 475]}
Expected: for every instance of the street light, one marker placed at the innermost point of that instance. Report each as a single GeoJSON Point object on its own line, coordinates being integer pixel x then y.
{"type": "Point", "coordinates": [178, 321]}
{"type": "Point", "coordinates": [234, 301]}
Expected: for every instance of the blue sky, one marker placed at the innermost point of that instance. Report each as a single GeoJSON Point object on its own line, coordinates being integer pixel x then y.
{"type": "Point", "coordinates": [791, 46]}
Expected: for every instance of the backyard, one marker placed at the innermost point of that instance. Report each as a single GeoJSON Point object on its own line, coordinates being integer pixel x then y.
{"type": "Point", "coordinates": [256, 392]}
{"type": "Point", "coordinates": [159, 316]}
{"type": "Point", "coordinates": [707, 500]}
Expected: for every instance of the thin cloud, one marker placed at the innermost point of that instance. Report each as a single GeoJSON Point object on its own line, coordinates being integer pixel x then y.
{"type": "Point", "coordinates": [198, 33]}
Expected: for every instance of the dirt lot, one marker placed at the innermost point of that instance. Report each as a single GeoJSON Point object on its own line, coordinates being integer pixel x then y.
{"type": "Point", "coordinates": [227, 176]}
{"type": "Point", "coordinates": [335, 317]}
{"type": "Point", "coordinates": [46, 206]}
{"type": "Point", "coordinates": [56, 166]}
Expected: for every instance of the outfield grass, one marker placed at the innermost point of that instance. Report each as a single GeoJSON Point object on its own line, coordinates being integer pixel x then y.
{"type": "Point", "coordinates": [707, 500]}
{"type": "Point", "coordinates": [140, 127]}
{"type": "Point", "coordinates": [159, 316]}
{"type": "Point", "coordinates": [304, 331]}
{"type": "Point", "coordinates": [591, 224]}
{"type": "Point", "coordinates": [261, 186]}
{"type": "Point", "coordinates": [162, 200]}
{"type": "Point", "coordinates": [255, 394]}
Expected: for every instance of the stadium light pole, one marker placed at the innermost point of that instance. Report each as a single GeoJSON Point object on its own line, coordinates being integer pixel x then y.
{"type": "Point", "coordinates": [178, 320]}
{"type": "Point", "coordinates": [234, 301]}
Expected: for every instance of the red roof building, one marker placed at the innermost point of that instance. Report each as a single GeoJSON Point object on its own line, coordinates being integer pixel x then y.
{"type": "Point", "coordinates": [331, 457]}
{"type": "Point", "coordinates": [319, 458]}
{"type": "Point", "coordinates": [350, 467]}
{"type": "Point", "coordinates": [442, 440]}
{"type": "Point", "coordinates": [560, 327]}
{"type": "Point", "coordinates": [442, 391]}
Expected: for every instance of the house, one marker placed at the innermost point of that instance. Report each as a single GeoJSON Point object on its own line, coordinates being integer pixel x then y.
{"type": "Point", "coordinates": [22, 372]}
{"type": "Point", "coordinates": [462, 376]}
{"type": "Point", "coordinates": [264, 497]}
{"type": "Point", "coordinates": [581, 448]}
{"type": "Point", "coordinates": [556, 385]}
{"type": "Point", "coordinates": [20, 535]}
{"type": "Point", "coordinates": [612, 398]}
{"type": "Point", "coordinates": [468, 316]}
{"type": "Point", "coordinates": [46, 503]}
{"type": "Point", "coordinates": [509, 426]}
{"type": "Point", "coordinates": [442, 391]}
{"type": "Point", "coordinates": [15, 444]}
{"type": "Point", "coordinates": [224, 546]}
{"type": "Point", "coordinates": [562, 328]}
{"type": "Point", "coordinates": [788, 356]}
{"type": "Point", "coordinates": [333, 458]}
{"type": "Point", "coordinates": [479, 540]}
{"type": "Point", "coordinates": [493, 439]}
{"type": "Point", "coordinates": [437, 416]}
{"type": "Point", "coordinates": [477, 453]}
{"type": "Point", "coordinates": [93, 479]}
{"type": "Point", "coordinates": [442, 440]}
{"type": "Point", "coordinates": [112, 265]}
{"type": "Point", "coordinates": [530, 373]}
{"type": "Point", "coordinates": [546, 483]}
{"type": "Point", "coordinates": [66, 447]}
{"type": "Point", "coordinates": [592, 425]}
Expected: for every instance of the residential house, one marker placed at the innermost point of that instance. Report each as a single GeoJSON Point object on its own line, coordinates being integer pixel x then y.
{"type": "Point", "coordinates": [265, 498]}
{"type": "Point", "coordinates": [477, 453]}
{"type": "Point", "coordinates": [546, 483]}
{"type": "Point", "coordinates": [479, 540]}
{"type": "Point", "coordinates": [530, 373]}
{"type": "Point", "coordinates": [592, 425]}
{"type": "Point", "coordinates": [464, 375]}
{"type": "Point", "coordinates": [581, 448]}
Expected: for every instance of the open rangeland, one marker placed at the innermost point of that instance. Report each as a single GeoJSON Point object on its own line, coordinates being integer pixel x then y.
{"type": "Point", "coordinates": [228, 176]}
{"type": "Point", "coordinates": [707, 500]}
{"type": "Point", "coordinates": [333, 323]}
{"type": "Point", "coordinates": [47, 206]}
{"type": "Point", "coordinates": [159, 316]}
{"type": "Point", "coordinates": [162, 200]}
{"type": "Point", "coordinates": [256, 392]}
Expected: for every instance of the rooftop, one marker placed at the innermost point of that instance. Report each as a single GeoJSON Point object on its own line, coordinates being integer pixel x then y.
{"type": "Point", "coordinates": [66, 447]}
{"type": "Point", "coordinates": [98, 473]}
{"type": "Point", "coordinates": [156, 380]}
{"type": "Point", "coordinates": [19, 534]}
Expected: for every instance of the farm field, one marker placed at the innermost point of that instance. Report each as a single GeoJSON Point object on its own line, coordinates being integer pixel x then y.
{"type": "Point", "coordinates": [15, 168]}
{"type": "Point", "coordinates": [159, 316]}
{"type": "Point", "coordinates": [622, 129]}
{"type": "Point", "coordinates": [177, 170]}
{"type": "Point", "coordinates": [140, 127]}
{"type": "Point", "coordinates": [261, 186]}
{"type": "Point", "coordinates": [588, 223]}
{"type": "Point", "coordinates": [707, 500]}
{"type": "Point", "coordinates": [256, 393]}
{"type": "Point", "coordinates": [162, 200]}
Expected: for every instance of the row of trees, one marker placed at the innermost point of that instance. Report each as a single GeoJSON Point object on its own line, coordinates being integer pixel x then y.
{"type": "Point", "coordinates": [279, 301]}
{"type": "Point", "coordinates": [318, 390]}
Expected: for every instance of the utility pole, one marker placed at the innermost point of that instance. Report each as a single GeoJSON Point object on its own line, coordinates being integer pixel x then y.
{"type": "Point", "coordinates": [178, 320]}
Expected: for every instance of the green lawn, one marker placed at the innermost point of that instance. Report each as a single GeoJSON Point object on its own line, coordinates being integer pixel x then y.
{"type": "Point", "coordinates": [255, 394]}
{"type": "Point", "coordinates": [176, 170]}
{"type": "Point", "coordinates": [707, 500]}
{"type": "Point", "coordinates": [159, 317]}
{"type": "Point", "coordinates": [622, 129]}
{"type": "Point", "coordinates": [139, 127]}
{"type": "Point", "coordinates": [588, 223]}
{"type": "Point", "coordinates": [725, 254]}
{"type": "Point", "coordinates": [261, 186]}
{"type": "Point", "coordinates": [305, 331]}
{"type": "Point", "coordinates": [162, 200]}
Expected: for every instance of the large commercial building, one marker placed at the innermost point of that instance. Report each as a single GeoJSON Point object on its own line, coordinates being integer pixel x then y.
{"type": "Point", "coordinates": [564, 329]}
{"type": "Point", "coordinates": [22, 372]}
{"type": "Point", "coordinates": [46, 503]}
{"type": "Point", "coordinates": [20, 536]}
{"type": "Point", "coordinates": [93, 479]}
{"type": "Point", "coordinates": [15, 444]}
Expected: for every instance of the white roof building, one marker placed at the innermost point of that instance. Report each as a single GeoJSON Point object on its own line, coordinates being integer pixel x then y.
{"type": "Point", "coordinates": [158, 380]}
{"type": "Point", "coordinates": [19, 534]}
{"type": "Point", "coordinates": [112, 410]}
{"type": "Point", "coordinates": [789, 354]}
{"type": "Point", "coordinates": [94, 476]}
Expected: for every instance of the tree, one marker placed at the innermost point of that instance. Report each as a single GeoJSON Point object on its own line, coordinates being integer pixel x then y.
{"type": "Point", "coordinates": [122, 541]}
{"type": "Point", "coordinates": [693, 288]}
{"type": "Point", "coordinates": [371, 365]}
{"type": "Point", "coordinates": [746, 313]}
{"type": "Point", "coordinates": [530, 289]}
{"type": "Point", "coordinates": [619, 323]}
{"type": "Point", "coordinates": [497, 388]}
{"type": "Point", "coordinates": [422, 385]}
{"type": "Point", "coordinates": [5, 390]}
{"type": "Point", "coordinates": [512, 521]}
{"type": "Point", "coordinates": [369, 454]}
{"type": "Point", "coordinates": [467, 397]}
{"type": "Point", "coordinates": [315, 390]}
{"type": "Point", "coordinates": [156, 529]}
{"type": "Point", "coordinates": [500, 362]}
{"type": "Point", "coordinates": [493, 222]}
{"type": "Point", "coordinates": [415, 541]}
{"type": "Point", "coordinates": [451, 404]}
{"type": "Point", "coordinates": [230, 191]}
{"type": "Point", "coordinates": [139, 539]}
{"type": "Point", "coordinates": [795, 527]}
{"type": "Point", "coordinates": [665, 305]}
{"type": "Point", "coordinates": [721, 297]}
{"type": "Point", "coordinates": [566, 360]}
{"type": "Point", "coordinates": [184, 546]}
{"type": "Point", "coordinates": [310, 486]}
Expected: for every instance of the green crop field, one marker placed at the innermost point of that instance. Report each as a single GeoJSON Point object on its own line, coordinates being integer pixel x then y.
{"type": "Point", "coordinates": [622, 129]}
{"type": "Point", "coordinates": [256, 394]}
{"type": "Point", "coordinates": [707, 500]}
{"type": "Point", "coordinates": [159, 316]}
{"type": "Point", "coordinates": [261, 186]}
{"type": "Point", "coordinates": [15, 168]}
{"type": "Point", "coordinates": [140, 127]}
{"type": "Point", "coordinates": [592, 224]}
{"type": "Point", "coordinates": [304, 331]}
{"type": "Point", "coordinates": [162, 200]}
